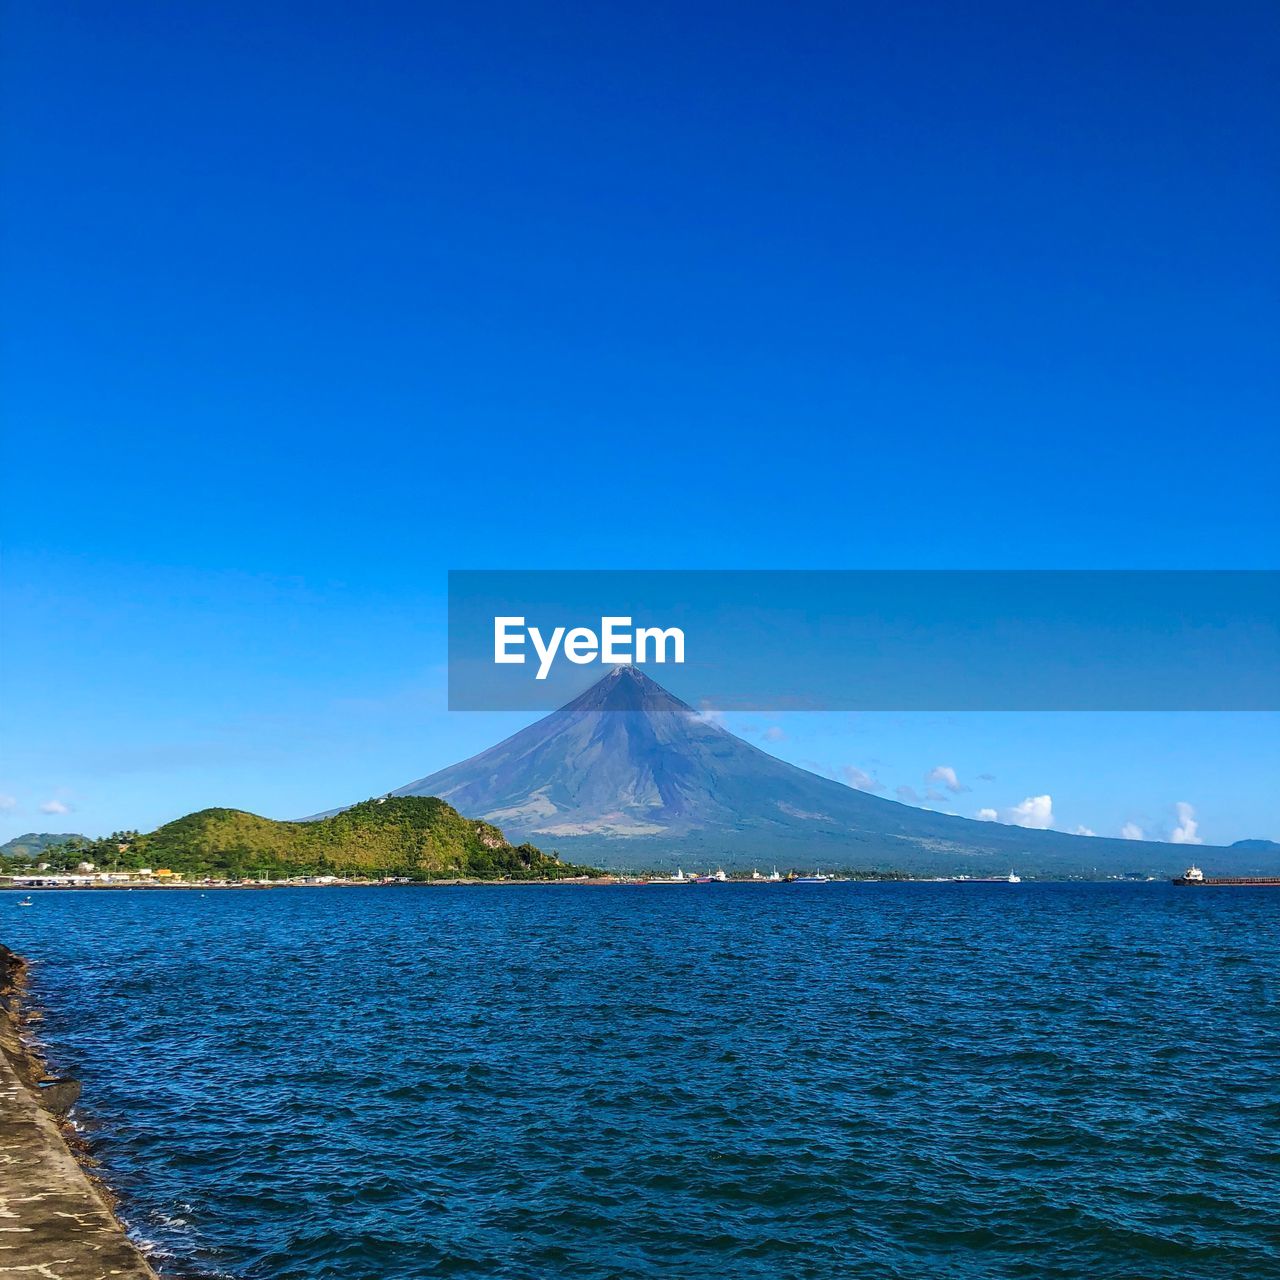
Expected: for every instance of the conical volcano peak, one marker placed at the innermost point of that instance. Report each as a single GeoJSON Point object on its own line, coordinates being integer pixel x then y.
{"type": "Point", "coordinates": [629, 673]}
{"type": "Point", "coordinates": [627, 688]}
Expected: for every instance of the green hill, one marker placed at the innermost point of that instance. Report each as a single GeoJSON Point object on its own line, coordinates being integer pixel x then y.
{"type": "Point", "coordinates": [418, 837]}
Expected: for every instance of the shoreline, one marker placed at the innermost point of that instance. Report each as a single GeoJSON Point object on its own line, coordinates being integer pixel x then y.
{"type": "Point", "coordinates": [151, 887]}
{"type": "Point", "coordinates": [58, 1220]}
{"type": "Point", "coordinates": [594, 882]}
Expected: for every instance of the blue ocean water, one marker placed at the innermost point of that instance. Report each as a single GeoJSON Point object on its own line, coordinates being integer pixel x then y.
{"type": "Point", "coordinates": [832, 1081]}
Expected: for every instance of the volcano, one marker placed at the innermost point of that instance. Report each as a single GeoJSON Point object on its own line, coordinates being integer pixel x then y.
{"type": "Point", "coordinates": [627, 775]}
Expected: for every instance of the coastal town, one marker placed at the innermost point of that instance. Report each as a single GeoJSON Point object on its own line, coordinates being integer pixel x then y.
{"type": "Point", "coordinates": [87, 876]}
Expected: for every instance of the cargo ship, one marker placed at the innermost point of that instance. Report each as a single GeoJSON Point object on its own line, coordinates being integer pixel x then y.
{"type": "Point", "coordinates": [1193, 875]}
{"type": "Point", "coordinates": [678, 878]}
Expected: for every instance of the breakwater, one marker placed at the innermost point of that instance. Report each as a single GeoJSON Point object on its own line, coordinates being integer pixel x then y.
{"type": "Point", "coordinates": [54, 1222]}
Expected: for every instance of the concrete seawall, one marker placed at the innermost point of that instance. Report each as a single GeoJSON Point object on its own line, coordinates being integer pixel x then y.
{"type": "Point", "coordinates": [54, 1222]}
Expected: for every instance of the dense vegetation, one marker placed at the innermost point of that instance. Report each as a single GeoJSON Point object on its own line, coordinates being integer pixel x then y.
{"type": "Point", "coordinates": [414, 836]}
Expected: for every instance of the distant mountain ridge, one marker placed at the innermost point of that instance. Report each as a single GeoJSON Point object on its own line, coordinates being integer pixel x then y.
{"type": "Point", "coordinates": [33, 843]}
{"type": "Point", "coordinates": [627, 775]}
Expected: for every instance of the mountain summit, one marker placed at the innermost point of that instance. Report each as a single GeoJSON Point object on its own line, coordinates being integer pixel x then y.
{"type": "Point", "coordinates": [628, 775]}
{"type": "Point", "coordinates": [624, 759]}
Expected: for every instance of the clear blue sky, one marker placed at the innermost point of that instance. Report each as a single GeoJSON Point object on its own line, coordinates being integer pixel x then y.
{"type": "Point", "coordinates": [308, 303]}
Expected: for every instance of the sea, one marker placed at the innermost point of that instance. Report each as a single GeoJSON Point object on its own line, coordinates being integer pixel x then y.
{"type": "Point", "coordinates": [842, 1080]}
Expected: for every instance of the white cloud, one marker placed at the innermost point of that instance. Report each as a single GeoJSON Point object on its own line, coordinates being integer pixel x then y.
{"type": "Point", "coordinates": [55, 806]}
{"type": "Point", "coordinates": [858, 779]}
{"type": "Point", "coordinates": [1085, 831]}
{"type": "Point", "coordinates": [1035, 812]}
{"type": "Point", "coordinates": [8, 802]}
{"type": "Point", "coordinates": [774, 733]}
{"type": "Point", "coordinates": [987, 815]}
{"type": "Point", "coordinates": [1185, 831]}
{"type": "Point", "coordinates": [946, 775]}
{"type": "Point", "coordinates": [1131, 831]}
{"type": "Point", "coordinates": [908, 795]}
{"type": "Point", "coordinates": [709, 715]}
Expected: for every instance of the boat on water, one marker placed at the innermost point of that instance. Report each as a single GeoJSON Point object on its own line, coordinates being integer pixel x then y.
{"type": "Point", "coordinates": [775, 878]}
{"type": "Point", "coordinates": [1011, 878]}
{"type": "Point", "coordinates": [816, 878]}
{"type": "Point", "coordinates": [1194, 876]}
{"type": "Point", "coordinates": [678, 878]}
{"type": "Point", "coordinates": [26, 902]}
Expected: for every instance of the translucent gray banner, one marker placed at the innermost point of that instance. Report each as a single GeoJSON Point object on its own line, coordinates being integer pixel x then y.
{"type": "Point", "coordinates": [872, 640]}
